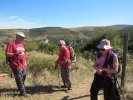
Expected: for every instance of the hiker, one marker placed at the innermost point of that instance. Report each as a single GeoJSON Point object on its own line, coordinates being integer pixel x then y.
{"type": "Point", "coordinates": [63, 61]}
{"type": "Point", "coordinates": [104, 76]}
{"type": "Point", "coordinates": [16, 52]}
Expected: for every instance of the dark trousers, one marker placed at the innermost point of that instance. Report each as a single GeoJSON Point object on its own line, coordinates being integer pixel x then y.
{"type": "Point", "coordinates": [20, 75]}
{"type": "Point", "coordinates": [109, 87]}
{"type": "Point", "coordinates": [65, 75]}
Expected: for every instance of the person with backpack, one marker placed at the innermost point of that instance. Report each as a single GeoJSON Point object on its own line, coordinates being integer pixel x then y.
{"type": "Point", "coordinates": [106, 67]}
{"type": "Point", "coordinates": [65, 64]}
{"type": "Point", "coordinates": [15, 52]}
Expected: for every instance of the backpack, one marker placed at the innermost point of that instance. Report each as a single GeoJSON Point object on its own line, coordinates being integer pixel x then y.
{"type": "Point", "coordinates": [7, 59]}
{"type": "Point", "coordinates": [109, 61]}
{"type": "Point", "coordinates": [72, 55]}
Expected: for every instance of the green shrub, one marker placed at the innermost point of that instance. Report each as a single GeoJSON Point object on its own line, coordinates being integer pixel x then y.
{"type": "Point", "coordinates": [89, 55]}
{"type": "Point", "coordinates": [38, 62]}
{"type": "Point", "coordinates": [32, 46]}
{"type": "Point", "coordinates": [2, 55]}
{"type": "Point", "coordinates": [48, 48]}
{"type": "Point", "coordinates": [5, 68]}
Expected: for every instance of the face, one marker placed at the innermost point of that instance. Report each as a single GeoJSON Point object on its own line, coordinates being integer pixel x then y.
{"type": "Point", "coordinates": [103, 51]}
{"type": "Point", "coordinates": [59, 45]}
{"type": "Point", "coordinates": [19, 39]}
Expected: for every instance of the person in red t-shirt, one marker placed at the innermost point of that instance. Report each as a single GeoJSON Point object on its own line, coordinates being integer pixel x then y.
{"type": "Point", "coordinates": [63, 61]}
{"type": "Point", "coordinates": [16, 52]}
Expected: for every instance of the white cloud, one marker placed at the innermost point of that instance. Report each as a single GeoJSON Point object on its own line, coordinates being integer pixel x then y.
{"type": "Point", "coordinates": [18, 22]}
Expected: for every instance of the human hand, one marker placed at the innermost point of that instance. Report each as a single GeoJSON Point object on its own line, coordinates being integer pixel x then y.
{"type": "Point", "coordinates": [99, 70]}
{"type": "Point", "coordinates": [17, 53]}
{"type": "Point", "coordinates": [70, 67]}
{"type": "Point", "coordinates": [56, 62]}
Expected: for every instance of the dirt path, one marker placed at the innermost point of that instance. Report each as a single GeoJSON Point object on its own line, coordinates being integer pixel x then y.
{"type": "Point", "coordinates": [80, 89]}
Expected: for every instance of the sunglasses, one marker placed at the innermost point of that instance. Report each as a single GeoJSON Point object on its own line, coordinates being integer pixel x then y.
{"type": "Point", "coordinates": [102, 49]}
{"type": "Point", "coordinates": [59, 44]}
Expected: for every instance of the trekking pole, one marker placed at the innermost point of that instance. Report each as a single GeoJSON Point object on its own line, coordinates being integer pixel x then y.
{"type": "Point", "coordinates": [120, 88]}
{"type": "Point", "coordinates": [58, 72]}
{"type": "Point", "coordinates": [59, 75]}
{"type": "Point", "coordinates": [11, 74]}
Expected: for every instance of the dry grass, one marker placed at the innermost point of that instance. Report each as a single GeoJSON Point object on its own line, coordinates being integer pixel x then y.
{"type": "Point", "coordinates": [48, 88]}
{"type": "Point", "coordinates": [128, 87]}
{"type": "Point", "coordinates": [45, 86]}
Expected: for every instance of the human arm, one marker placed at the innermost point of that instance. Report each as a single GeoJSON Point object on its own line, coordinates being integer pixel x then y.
{"type": "Point", "coordinates": [64, 56]}
{"type": "Point", "coordinates": [8, 54]}
{"type": "Point", "coordinates": [95, 65]}
{"type": "Point", "coordinates": [10, 50]}
{"type": "Point", "coordinates": [114, 68]}
{"type": "Point", "coordinates": [64, 60]}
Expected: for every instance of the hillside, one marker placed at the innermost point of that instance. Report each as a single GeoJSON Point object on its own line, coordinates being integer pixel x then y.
{"type": "Point", "coordinates": [57, 32]}
{"type": "Point", "coordinates": [80, 35]}
{"type": "Point", "coordinates": [5, 32]}
{"type": "Point", "coordinates": [72, 33]}
{"type": "Point", "coordinates": [43, 80]}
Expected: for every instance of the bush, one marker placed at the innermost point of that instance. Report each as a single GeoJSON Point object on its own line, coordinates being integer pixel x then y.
{"type": "Point", "coordinates": [38, 62]}
{"type": "Point", "coordinates": [32, 46]}
{"type": "Point", "coordinates": [48, 48]}
{"type": "Point", "coordinates": [89, 55]}
{"type": "Point", "coordinates": [5, 68]}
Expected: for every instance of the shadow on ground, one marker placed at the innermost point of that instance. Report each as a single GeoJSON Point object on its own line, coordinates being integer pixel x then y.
{"type": "Point", "coordinates": [77, 98]}
{"type": "Point", "coordinates": [32, 90]}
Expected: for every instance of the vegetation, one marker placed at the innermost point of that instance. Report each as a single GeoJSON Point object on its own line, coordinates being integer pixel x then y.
{"type": "Point", "coordinates": [41, 51]}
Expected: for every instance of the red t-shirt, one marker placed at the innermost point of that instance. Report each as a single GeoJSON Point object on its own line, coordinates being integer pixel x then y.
{"type": "Point", "coordinates": [64, 52]}
{"type": "Point", "coordinates": [19, 60]}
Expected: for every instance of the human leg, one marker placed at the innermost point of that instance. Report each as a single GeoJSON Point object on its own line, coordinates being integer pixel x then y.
{"type": "Point", "coordinates": [95, 87]}
{"type": "Point", "coordinates": [65, 74]}
{"type": "Point", "coordinates": [19, 80]}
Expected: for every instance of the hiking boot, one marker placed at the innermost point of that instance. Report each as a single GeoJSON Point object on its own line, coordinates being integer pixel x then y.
{"type": "Point", "coordinates": [25, 95]}
{"type": "Point", "coordinates": [69, 88]}
{"type": "Point", "coordinates": [63, 86]}
{"type": "Point", "coordinates": [28, 92]}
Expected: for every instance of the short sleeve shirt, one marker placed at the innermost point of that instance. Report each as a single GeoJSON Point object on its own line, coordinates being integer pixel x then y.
{"type": "Point", "coordinates": [19, 60]}
{"type": "Point", "coordinates": [64, 52]}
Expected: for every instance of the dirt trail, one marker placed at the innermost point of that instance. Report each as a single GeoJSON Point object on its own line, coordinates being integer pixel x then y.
{"type": "Point", "coordinates": [80, 89]}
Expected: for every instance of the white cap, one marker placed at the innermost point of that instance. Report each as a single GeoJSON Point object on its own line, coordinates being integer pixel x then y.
{"type": "Point", "coordinates": [20, 34]}
{"type": "Point", "coordinates": [61, 42]}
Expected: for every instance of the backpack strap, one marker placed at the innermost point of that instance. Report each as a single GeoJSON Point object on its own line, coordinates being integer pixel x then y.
{"type": "Point", "coordinates": [109, 60]}
{"type": "Point", "coordinates": [64, 50]}
{"type": "Point", "coordinates": [63, 53]}
{"type": "Point", "coordinates": [13, 43]}
{"type": "Point", "coordinates": [99, 55]}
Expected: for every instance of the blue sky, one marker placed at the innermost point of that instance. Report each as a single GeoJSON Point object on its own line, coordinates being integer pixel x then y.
{"type": "Point", "coordinates": [64, 13]}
